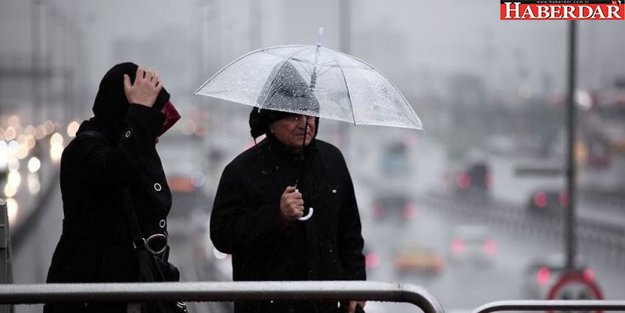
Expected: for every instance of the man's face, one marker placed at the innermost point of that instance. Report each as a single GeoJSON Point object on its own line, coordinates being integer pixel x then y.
{"type": "Point", "coordinates": [290, 130]}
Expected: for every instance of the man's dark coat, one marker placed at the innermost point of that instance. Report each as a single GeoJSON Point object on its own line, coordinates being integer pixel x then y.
{"type": "Point", "coordinates": [247, 224]}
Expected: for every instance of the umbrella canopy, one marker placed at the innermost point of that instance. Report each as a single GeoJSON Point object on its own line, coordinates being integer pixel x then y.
{"type": "Point", "coordinates": [316, 81]}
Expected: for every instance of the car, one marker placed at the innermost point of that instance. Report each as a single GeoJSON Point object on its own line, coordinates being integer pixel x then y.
{"type": "Point", "coordinates": [395, 159]}
{"type": "Point", "coordinates": [417, 258]}
{"type": "Point", "coordinates": [542, 273]}
{"type": "Point", "coordinates": [473, 245]}
{"type": "Point", "coordinates": [398, 206]}
{"type": "Point", "coordinates": [547, 200]}
{"type": "Point", "coordinates": [470, 178]}
{"type": "Point", "coordinates": [475, 177]}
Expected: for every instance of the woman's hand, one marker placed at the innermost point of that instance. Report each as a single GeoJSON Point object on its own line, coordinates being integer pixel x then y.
{"type": "Point", "coordinates": [145, 89]}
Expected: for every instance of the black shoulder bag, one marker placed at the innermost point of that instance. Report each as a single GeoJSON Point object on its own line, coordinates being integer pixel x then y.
{"type": "Point", "coordinates": [152, 267]}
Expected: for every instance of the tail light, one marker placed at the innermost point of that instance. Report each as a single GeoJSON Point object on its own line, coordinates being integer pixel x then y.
{"type": "Point", "coordinates": [588, 275]}
{"type": "Point", "coordinates": [463, 181]}
{"type": "Point", "coordinates": [457, 246]}
{"type": "Point", "coordinates": [490, 247]}
{"type": "Point", "coordinates": [542, 276]}
{"type": "Point", "coordinates": [372, 260]}
{"type": "Point", "coordinates": [540, 199]}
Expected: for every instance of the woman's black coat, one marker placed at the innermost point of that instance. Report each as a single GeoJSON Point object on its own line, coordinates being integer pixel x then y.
{"type": "Point", "coordinates": [95, 245]}
{"type": "Point", "coordinates": [247, 224]}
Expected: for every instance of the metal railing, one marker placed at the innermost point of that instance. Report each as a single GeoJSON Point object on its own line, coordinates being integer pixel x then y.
{"type": "Point", "coordinates": [242, 291]}
{"type": "Point", "coordinates": [5, 245]}
{"type": "Point", "coordinates": [221, 291]}
{"type": "Point", "coordinates": [6, 271]}
{"type": "Point", "coordinates": [552, 305]}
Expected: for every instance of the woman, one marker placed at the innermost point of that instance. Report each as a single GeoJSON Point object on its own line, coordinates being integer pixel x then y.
{"type": "Point", "coordinates": [113, 150]}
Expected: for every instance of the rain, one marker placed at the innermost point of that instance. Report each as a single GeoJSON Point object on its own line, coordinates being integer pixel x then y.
{"type": "Point", "coordinates": [472, 207]}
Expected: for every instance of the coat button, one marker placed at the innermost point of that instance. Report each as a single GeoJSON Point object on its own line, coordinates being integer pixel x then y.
{"type": "Point", "coordinates": [162, 223]}
{"type": "Point", "coordinates": [128, 133]}
{"type": "Point", "coordinates": [157, 187]}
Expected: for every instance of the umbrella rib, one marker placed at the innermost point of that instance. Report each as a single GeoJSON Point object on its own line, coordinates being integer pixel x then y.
{"type": "Point", "coordinates": [349, 96]}
{"type": "Point", "coordinates": [262, 103]}
{"type": "Point", "coordinates": [319, 73]}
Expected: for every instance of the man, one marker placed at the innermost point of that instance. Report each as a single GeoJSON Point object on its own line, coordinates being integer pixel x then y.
{"type": "Point", "coordinates": [264, 192]}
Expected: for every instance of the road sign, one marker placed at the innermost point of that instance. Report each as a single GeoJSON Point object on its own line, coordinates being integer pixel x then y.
{"type": "Point", "coordinates": [575, 286]}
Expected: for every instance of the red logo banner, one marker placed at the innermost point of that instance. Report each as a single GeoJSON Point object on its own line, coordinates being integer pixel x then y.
{"type": "Point", "coordinates": [562, 10]}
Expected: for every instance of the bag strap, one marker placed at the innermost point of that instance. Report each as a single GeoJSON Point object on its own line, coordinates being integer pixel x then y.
{"type": "Point", "coordinates": [138, 241]}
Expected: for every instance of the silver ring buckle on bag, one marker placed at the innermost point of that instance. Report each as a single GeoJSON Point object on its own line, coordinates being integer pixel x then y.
{"type": "Point", "coordinates": [155, 244]}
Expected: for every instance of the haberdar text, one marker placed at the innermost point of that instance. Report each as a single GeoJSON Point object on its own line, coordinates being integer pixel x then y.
{"type": "Point", "coordinates": [537, 11]}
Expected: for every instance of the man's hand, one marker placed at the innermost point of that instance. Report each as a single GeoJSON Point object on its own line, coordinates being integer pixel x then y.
{"type": "Point", "coordinates": [291, 204]}
{"type": "Point", "coordinates": [145, 89]}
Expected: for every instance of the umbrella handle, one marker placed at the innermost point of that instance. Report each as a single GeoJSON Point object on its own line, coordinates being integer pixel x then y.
{"type": "Point", "coordinates": [309, 215]}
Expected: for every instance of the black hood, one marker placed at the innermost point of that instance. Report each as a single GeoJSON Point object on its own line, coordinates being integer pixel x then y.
{"type": "Point", "coordinates": [110, 105]}
{"type": "Point", "coordinates": [260, 119]}
{"type": "Point", "coordinates": [286, 90]}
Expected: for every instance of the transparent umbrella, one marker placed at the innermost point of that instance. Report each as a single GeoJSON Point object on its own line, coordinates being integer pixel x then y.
{"type": "Point", "coordinates": [313, 80]}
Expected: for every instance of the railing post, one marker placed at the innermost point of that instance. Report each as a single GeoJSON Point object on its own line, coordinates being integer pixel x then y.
{"type": "Point", "coordinates": [6, 272]}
